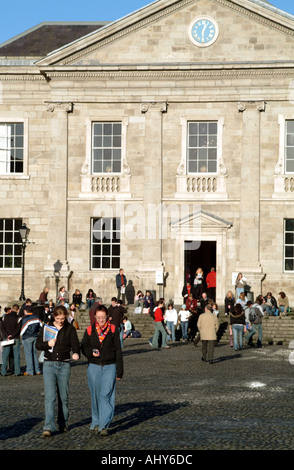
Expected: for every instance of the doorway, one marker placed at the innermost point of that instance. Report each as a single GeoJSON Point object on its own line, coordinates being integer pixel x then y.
{"type": "Point", "coordinates": [198, 255]}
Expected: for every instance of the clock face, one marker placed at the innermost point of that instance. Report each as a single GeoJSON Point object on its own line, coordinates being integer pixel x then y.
{"type": "Point", "coordinates": [203, 31]}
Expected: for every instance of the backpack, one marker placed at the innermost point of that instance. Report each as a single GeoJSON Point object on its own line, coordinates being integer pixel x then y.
{"type": "Point", "coordinates": [252, 314]}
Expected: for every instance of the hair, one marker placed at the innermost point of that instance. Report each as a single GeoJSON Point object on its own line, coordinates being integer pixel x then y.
{"type": "Point", "coordinates": [209, 307]}
{"type": "Point", "coordinates": [59, 310]}
{"type": "Point", "coordinates": [229, 292]}
{"type": "Point", "coordinates": [7, 309]}
{"type": "Point", "coordinates": [170, 305]}
{"type": "Point", "coordinates": [101, 308]}
{"type": "Point", "coordinates": [269, 293]}
{"type": "Point", "coordinates": [15, 307]}
{"type": "Point", "coordinates": [259, 299]}
{"type": "Point", "coordinates": [125, 317]}
{"type": "Point", "coordinates": [238, 309]}
{"type": "Point", "coordinates": [282, 294]}
{"type": "Point", "coordinates": [114, 299]}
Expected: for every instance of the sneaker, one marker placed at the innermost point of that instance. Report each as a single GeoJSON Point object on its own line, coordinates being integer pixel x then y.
{"type": "Point", "coordinates": [103, 432]}
{"type": "Point", "coordinates": [46, 433]}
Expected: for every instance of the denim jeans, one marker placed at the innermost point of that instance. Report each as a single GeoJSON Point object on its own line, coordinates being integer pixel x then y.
{"type": "Point", "coordinates": [184, 327]}
{"type": "Point", "coordinates": [255, 328]}
{"type": "Point", "coordinates": [238, 333]}
{"type": "Point", "coordinates": [172, 328]}
{"type": "Point", "coordinates": [102, 385]}
{"type": "Point", "coordinates": [16, 355]}
{"type": "Point", "coordinates": [159, 328]}
{"type": "Point", "coordinates": [56, 376]}
{"type": "Point", "coordinates": [32, 363]}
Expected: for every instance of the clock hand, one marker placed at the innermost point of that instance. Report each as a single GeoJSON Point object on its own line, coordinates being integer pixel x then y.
{"type": "Point", "coordinates": [203, 31]}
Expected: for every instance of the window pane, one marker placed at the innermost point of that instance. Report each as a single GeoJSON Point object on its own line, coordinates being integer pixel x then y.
{"type": "Point", "coordinates": [11, 148]}
{"type": "Point", "coordinates": [105, 243]}
{"type": "Point", "coordinates": [106, 147]}
{"type": "Point", "coordinates": [202, 147]}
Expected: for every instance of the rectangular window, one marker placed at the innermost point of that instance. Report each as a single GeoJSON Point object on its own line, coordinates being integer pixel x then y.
{"type": "Point", "coordinates": [202, 147]}
{"type": "Point", "coordinates": [289, 245]}
{"type": "Point", "coordinates": [106, 147]}
{"type": "Point", "coordinates": [105, 243]}
{"type": "Point", "coordinates": [289, 147]}
{"type": "Point", "coordinates": [10, 244]}
{"type": "Point", "coordinates": [11, 148]}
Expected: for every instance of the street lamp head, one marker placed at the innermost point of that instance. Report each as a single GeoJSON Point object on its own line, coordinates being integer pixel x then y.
{"type": "Point", "coordinates": [24, 233]}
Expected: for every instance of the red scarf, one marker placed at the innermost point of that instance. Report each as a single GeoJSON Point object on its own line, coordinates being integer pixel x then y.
{"type": "Point", "coordinates": [102, 332]}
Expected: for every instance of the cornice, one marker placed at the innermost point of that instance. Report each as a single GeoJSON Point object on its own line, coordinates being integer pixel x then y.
{"type": "Point", "coordinates": [170, 74]}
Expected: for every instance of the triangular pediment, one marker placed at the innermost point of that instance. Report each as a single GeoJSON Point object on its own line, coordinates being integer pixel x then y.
{"type": "Point", "coordinates": [160, 33]}
{"type": "Point", "coordinates": [200, 221]}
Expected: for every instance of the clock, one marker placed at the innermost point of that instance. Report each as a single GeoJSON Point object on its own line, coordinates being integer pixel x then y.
{"type": "Point", "coordinates": [203, 31]}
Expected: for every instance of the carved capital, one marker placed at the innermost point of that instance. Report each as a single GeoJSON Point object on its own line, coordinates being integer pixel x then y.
{"type": "Point", "coordinates": [160, 107]}
{"type": "Point", "coordinates": [67, 107]}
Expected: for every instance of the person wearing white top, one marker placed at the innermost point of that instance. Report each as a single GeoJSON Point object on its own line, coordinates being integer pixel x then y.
{"type": "Point", "coordinates": [184, 315]}
{"type": "Point", "coordinates": [171, 318]}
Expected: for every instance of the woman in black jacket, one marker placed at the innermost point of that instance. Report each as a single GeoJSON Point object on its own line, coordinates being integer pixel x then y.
{"type": "Point", "coordinates": [101, 345]}
{"type": "Point", "coordinates": [57, 344]}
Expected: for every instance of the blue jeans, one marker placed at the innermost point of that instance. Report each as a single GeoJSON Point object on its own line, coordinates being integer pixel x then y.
{"type": "Point", "coordinates": [32, 363]}
{"type": "Point", "coordinates": [102, 385]}
{"type": "Point", "coordinates": [238, 333]}
{"type": "Point", "coordinates": [255, 328]}
{"type": "Point", "coordinates": [184, 327]}
{"type": "Point", "coordinates": [16, 355]}
{"type": "Point", "coordinates": [56, 376]}
{"type": "Point", "coordinates": [159, 328]}
{"type": "Point", "coordinates": [172, 328]}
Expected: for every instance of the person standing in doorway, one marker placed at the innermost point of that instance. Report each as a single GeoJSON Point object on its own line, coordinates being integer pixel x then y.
{"type": "Point", "coordinates": [211, 284]}
{"type": "Point", "coordinates": [121, 282]}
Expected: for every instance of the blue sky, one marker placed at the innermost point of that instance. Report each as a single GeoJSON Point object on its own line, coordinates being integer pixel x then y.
{"type": "Point", "coordinates": [20, 15]}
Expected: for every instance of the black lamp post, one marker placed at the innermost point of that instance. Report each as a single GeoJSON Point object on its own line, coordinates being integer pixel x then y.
{"type": "Point", "coordinates": [24, 233]}
{"type": "Point", "coordinates": [57, 268]}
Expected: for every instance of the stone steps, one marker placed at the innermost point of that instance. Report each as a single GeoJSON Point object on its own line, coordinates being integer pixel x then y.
{"type": "Point", "coordinates": [276, 330]}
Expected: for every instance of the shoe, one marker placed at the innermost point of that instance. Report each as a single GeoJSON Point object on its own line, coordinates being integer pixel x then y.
{"type": "Point", "coordinates": [211, 362]}
{"type": "Point", "coordinates": [63, 429]}
{"type": "Point", "coordinates": [38, 373]}
{"type": "Point", "coordinates": [103, 432]}
{"type": "Point", "coordinates": [166, 347]}
{"type": "Point", "coordinates": [202, 359]}
{"type": "Point", "coordinates": [46, 433]}
{"type": "Point", "coordinates": [25, 373]}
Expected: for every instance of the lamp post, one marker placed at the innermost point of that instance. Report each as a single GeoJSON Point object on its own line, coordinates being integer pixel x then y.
{"type": "Point", "coordinates": [24, 233]}
{"type": "Point", "coordinates": [57, 268]}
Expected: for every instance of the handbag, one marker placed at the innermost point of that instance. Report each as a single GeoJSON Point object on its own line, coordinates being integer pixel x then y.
{"type": "Point", "coordinates": [145, 310]}
{"type": "Point", "coordinates": [138, 310]}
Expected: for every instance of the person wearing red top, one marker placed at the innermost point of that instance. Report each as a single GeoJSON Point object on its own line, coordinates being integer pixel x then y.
{"type": "Point", "coordinates": [211, 284]}
{"type": "Point", "coordinates": [159, 328]}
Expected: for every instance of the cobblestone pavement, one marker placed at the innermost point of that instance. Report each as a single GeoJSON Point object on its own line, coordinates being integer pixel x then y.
{"type": "Point", "coordinates": [168, 400]}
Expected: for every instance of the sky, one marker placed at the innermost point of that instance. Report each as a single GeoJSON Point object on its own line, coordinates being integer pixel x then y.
{"type": "Point", "coordinates": [21, 15]}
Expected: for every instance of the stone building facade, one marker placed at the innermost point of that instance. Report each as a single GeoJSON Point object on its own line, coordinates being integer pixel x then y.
{"type": "Point", "coordinates": [158, 143]}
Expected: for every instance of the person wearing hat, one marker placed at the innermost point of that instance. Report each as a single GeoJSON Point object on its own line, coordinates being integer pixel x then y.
{"type": "Point", "coordinates": [184, 316]}
{"type": "Point", "coordinates": [30, 327]}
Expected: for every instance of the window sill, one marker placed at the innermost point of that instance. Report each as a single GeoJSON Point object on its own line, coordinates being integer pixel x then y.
{"type": "Point", "coordinates": [14, 177]}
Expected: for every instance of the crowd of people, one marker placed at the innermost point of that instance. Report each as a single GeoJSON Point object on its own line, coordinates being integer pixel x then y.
{"type": "Point", "coordinates": [53, 333]}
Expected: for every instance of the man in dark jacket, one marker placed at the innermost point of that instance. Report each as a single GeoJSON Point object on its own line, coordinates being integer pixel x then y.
{"type": "Point", "coordinates": [30, 327]}
{"type": "Point", "coordinates": [121, 282]}
{"type": "Point", "coordinates": [10, 330]}
{"type": "Point", "coordinates": [116, 313]}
